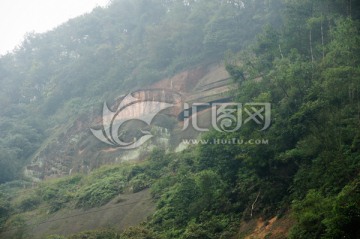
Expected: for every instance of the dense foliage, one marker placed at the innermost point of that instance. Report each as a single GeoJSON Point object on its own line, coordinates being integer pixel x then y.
{"type": "Point", "coordinates": [307, 68]}
{"type": "Point", "coordinates": [52, 77]}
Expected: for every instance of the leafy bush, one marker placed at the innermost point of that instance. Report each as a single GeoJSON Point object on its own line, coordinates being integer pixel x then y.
{"type": "Point", "coordinates": [57, 193]}
{"type": "Point", "coordinates": [97, 234]}
{"type": "Point", "coordinates": [5, 209]}
{"type": "Point", "coordinates": [101, 186]}
{"type": "Point", "coordinates": [212, 227]}
{"type": "Point", "coordinates": [310, 214]}
{"type": "Point", "coordinates": [29, 202]}
{"type": "Point", "coordinates": [344, 218]}
{"type": "Point", "coordinates": [55, 237]}
{"type": "Point", "coordinates": [138, 232]}
{"type": "Point", "coordinates": [139, 183]}
{"type": "Point", "coordinates": [99, 193]}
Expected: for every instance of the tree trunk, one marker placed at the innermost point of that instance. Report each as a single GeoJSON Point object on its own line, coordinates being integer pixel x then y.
{"type": "Point", "coordinates": [253, 205]}
{"type": "Point", "coordinates": [350, 8]}
{"type": "Point", "coordinates": [322, 38]}
{"type": "Point", "coordinates": [282, 56]}
{"type": "Point", "coordinates": [311, 47]}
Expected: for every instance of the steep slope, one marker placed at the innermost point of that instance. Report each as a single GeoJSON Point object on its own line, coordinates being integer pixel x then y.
{"type": "Point", "coordinates": [122, 212]}
{"type": "Point", "coordinates": [300, 172]}
{"type": "Point", "coordinates": [55, 82]}
{"type": "Point", "coordinates": [75, 149]}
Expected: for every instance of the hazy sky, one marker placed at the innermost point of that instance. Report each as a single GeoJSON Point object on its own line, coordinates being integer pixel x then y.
{"type": "Point", "coordinates": [18, 17]}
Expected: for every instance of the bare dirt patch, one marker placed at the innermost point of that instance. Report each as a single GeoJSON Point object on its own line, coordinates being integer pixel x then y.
{"type": "Point", "coordinates": [274, 228]}
{"type": "Point", "coordinates": [122, 212]}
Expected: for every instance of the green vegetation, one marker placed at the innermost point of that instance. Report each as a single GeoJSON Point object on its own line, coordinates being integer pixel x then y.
{"type": "Point", "coordinates": [306, 66]}
{"type": "Point", "coordinates": [54, 77]}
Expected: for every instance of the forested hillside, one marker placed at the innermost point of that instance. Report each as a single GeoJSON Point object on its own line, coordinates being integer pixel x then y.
{"type": "Point", "coordinates": [301, 56]}
{"type": "Point", "coordinates": [53, 77]}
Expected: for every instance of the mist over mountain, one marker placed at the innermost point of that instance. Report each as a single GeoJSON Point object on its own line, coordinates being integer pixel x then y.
{"type": "Point", "coordinates": [301, 180]}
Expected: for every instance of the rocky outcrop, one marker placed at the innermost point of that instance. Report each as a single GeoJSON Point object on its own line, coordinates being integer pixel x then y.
{"type": "Point", "coordinates": [74, 149]}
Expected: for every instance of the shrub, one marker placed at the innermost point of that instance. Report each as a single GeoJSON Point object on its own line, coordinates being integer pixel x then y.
{"type": "Point", "coordinates": [97, 234]}
{"type": "Point", "coordinates": [57, 193]}
{"type": "Point", "coordinates": [29, 202]}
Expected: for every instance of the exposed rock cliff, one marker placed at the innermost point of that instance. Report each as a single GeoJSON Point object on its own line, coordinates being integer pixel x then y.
{"type": "Point", "coordinates": [74, 149]}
